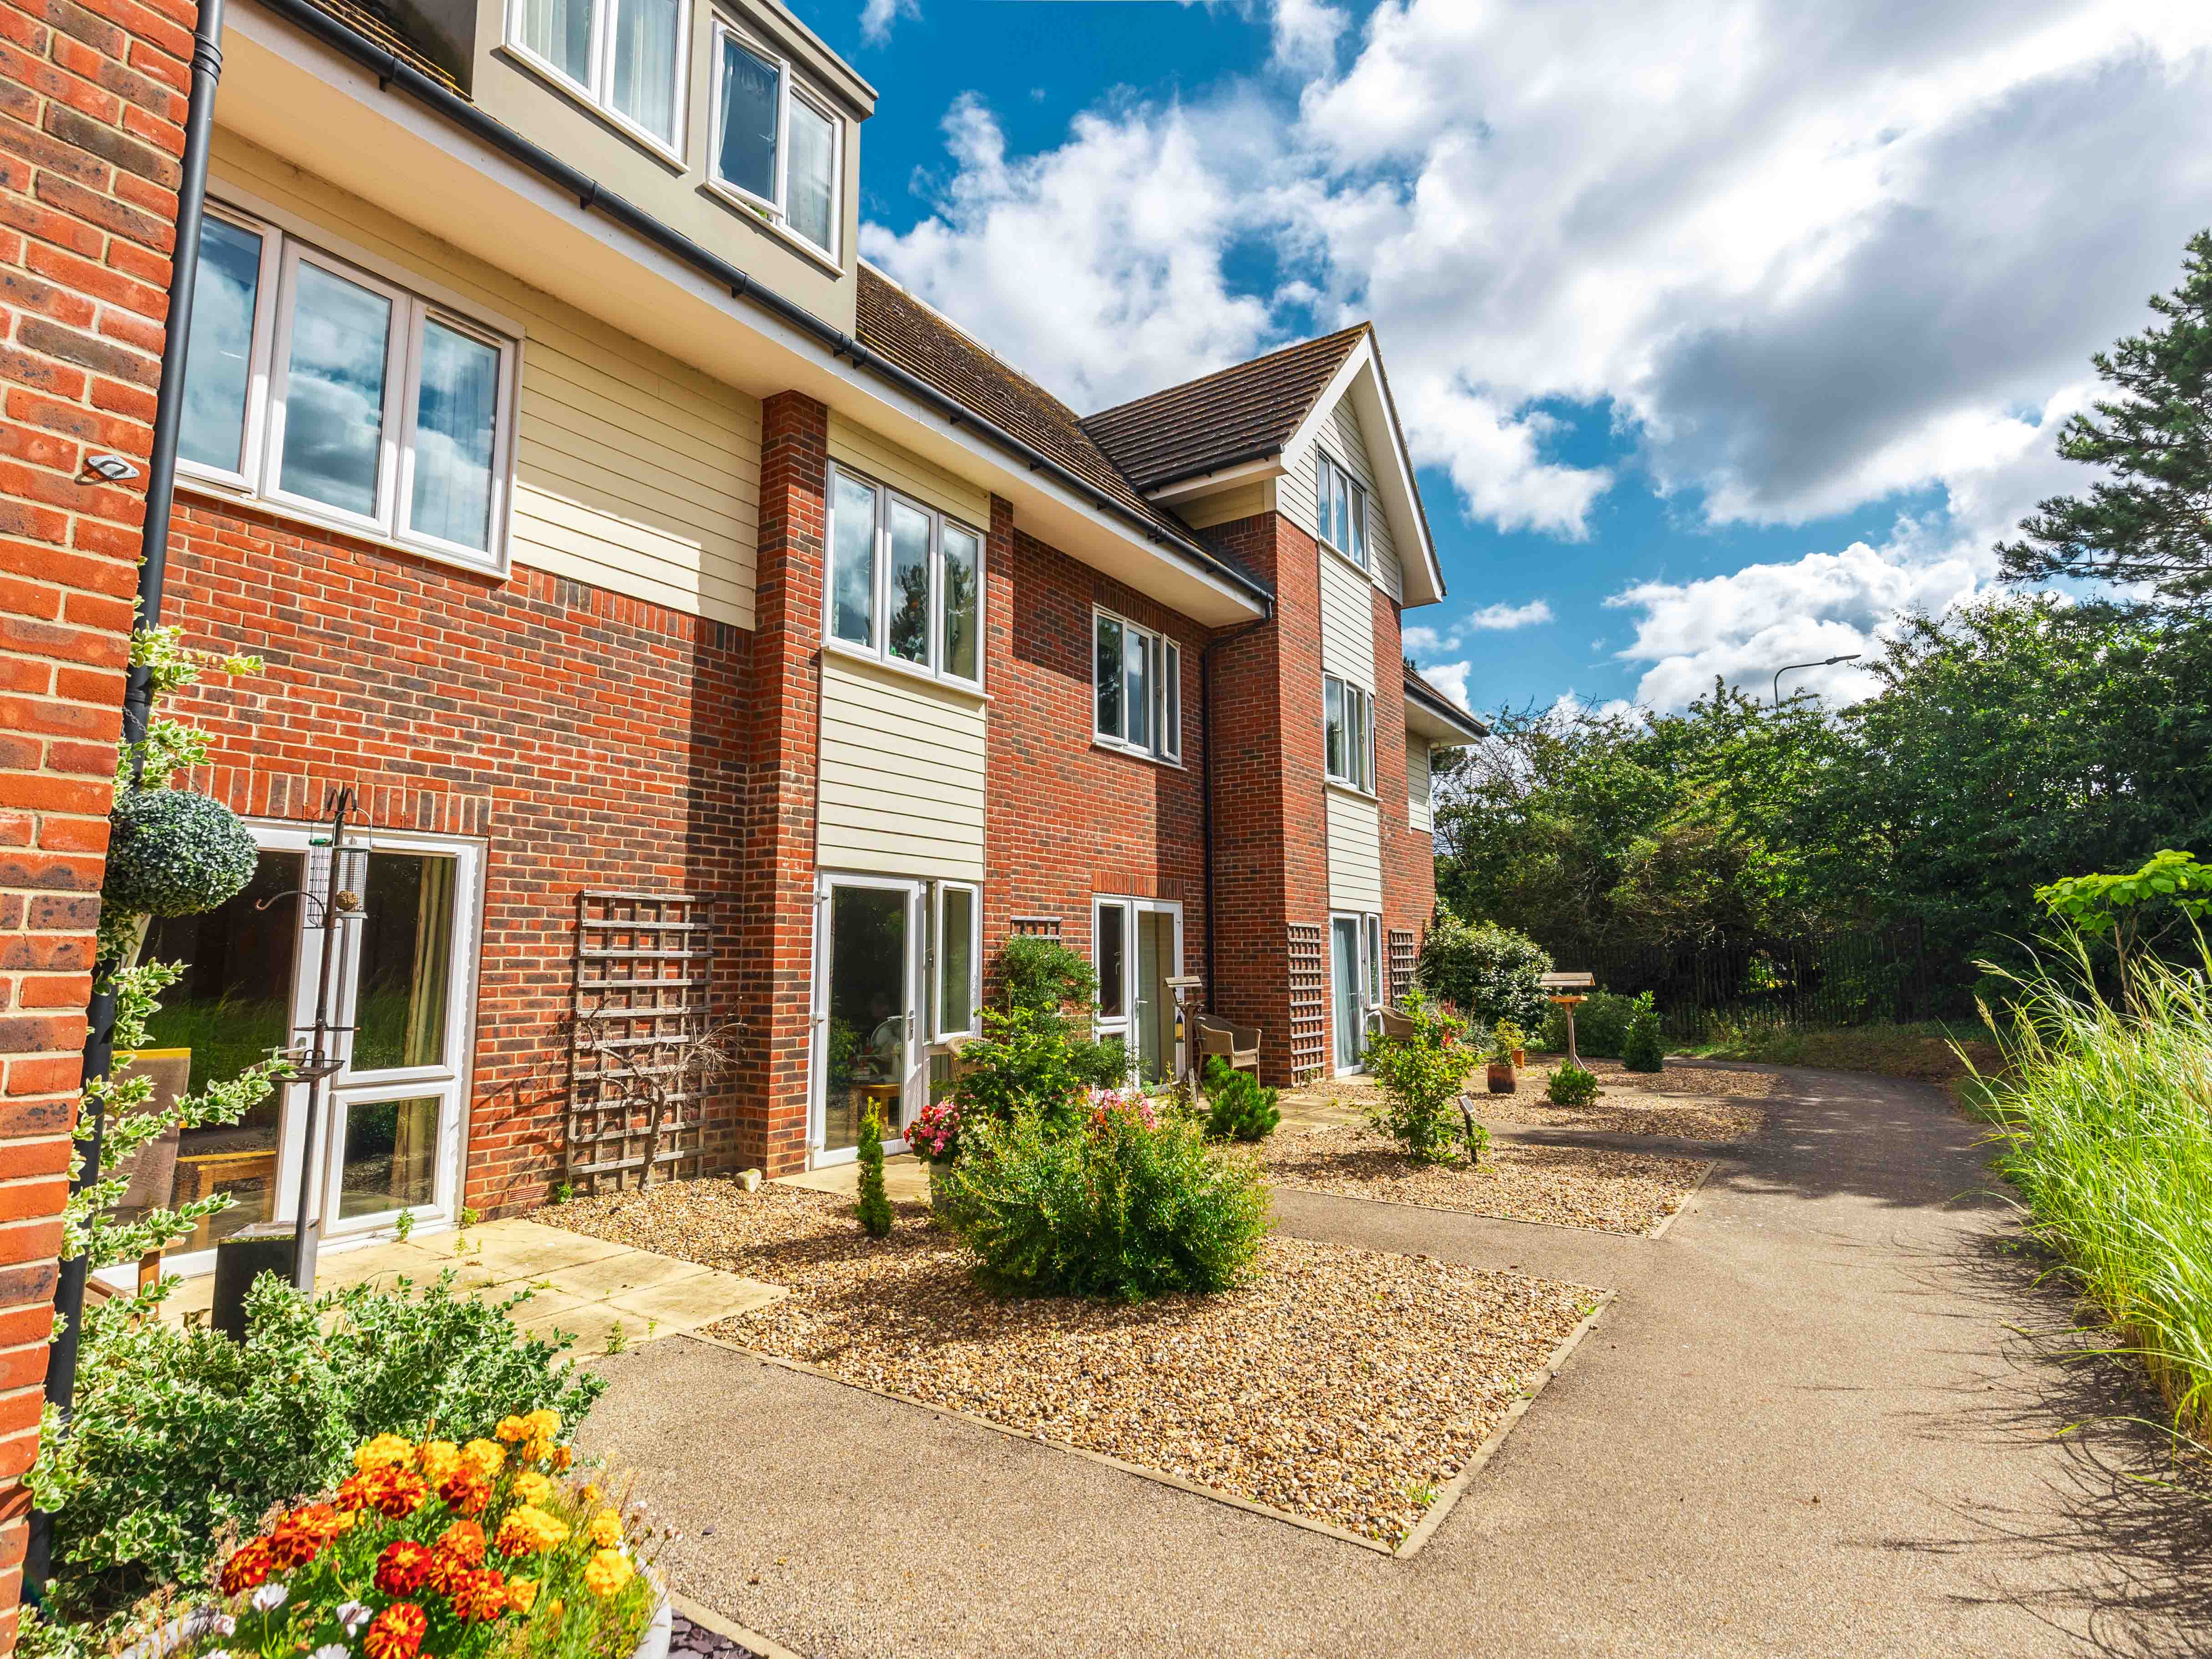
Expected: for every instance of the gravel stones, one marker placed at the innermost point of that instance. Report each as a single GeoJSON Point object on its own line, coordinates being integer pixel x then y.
{"type": "Point", "coordinates": [1341, 1385]}
{"type": "Point", "coordinates": [1566, 1186]}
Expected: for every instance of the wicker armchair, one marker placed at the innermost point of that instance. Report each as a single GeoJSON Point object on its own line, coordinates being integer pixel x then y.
{"type": "Point", "coordinates": [1237, 1044]}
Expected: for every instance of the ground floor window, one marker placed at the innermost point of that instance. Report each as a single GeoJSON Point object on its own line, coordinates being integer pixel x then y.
{"type": "Point", "coordinates": [401, 998]}
{"type": "Point", "coordinates": [1355, 983]}
{"type": "Point", "coordinates": [1137, 948]}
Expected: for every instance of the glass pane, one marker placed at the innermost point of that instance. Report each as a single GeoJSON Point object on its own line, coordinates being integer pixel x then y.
{"type": "Point", "coordinates": [853, 562]}
{"type": "Point", "coordinates": [1108, 671]}
{"type": "Point", "coordinates": [1324, 482]}
{"type": "Point", "coordinates": [963, 557]}
{"type": "Point", "coordinates": [1359, 542]}
{"type": "Point", "coordinates": [1155, 1045]}
{"type": "Point", "coordinates": [455, 413]}
{"type": "Point", "coordinates": [233, 1005]}
{"type": "Point", "coordinates": [1332, 704]}
{"type": "Point", "coordinates": [1355, 731]}
{"type": "Point", "coordinates": [867, 1013]}
{"type": "Point", "coordinates": [909, 583]}
{"type": "Point", "coordinates": [560, 32]}
{"type": "Point", "coordinates": [334, 392]}
{"type": "Point", "coordinates": [955, 962]}
{"type": "Point", "coordinates": [1171, 733]}
{"type": "Point", "coordinates": [1374, 960]}
{"type": "Point", "coordinates": [407, 942]}
{"type": "Point", "coordinates": [1112, 961]}
{"type": "Point", "coordinates": [644, 81]}
{"type": "Point", "coordinates": [219, 356]}
{"type": "Point", "coordinates": [1136, 654]}
{"type": "Point", "coordinates": [750, 94]}
{"type": "Point", "coordinates": [1345, 937]}
{"type": "Point", "coordinates": [812, 207]}
{"type": "Point", "coordinates": [391, 1156]}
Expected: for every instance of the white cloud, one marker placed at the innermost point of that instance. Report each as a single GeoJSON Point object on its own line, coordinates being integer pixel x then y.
{"type": "Point", "coordinates": [1449, 677]}
{"type": "Point", "coordinates": [1425, 638]}
{"type": "Point", "coordinates": [1305, 34]}
{"type": "Point", "coordinates": [877, 16]}
{"type": "Point", "coordinates": [1495, 619]}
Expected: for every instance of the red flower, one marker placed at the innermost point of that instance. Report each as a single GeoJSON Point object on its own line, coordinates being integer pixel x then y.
{"type": "Point", "coordinates": [249, 1564]}
{"type": "Point", "coordinates": [353, 1493]}
{"type": "Point", "coordinates": [465, 1490]}
{"type": "Point", "coordinates": [480, 1596]}
{"type": "Point", "coordinates": [395, 1492]}
{"type": "Point", "coordinates": [403, 1567]}
{"type": "Point", "coordinates": [397, 1633]}
{"type": "Point", "coordinates": [301, 1536]}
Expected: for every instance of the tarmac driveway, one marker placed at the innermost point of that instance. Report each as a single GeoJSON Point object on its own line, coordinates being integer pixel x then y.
{"type": "Point", "coordinates": [1824, 1415]}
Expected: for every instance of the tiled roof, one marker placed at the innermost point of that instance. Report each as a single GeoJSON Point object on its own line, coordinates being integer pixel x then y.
{"type": "Point", "coordinates": [374, 20]}
{"type": "Point", "coordinates": [1237, 414]}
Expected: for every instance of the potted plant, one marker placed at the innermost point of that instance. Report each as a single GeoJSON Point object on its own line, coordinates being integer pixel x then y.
{"type": "Point", "coordinates": [1514, 1040]}
{"type": "Point", "coordinates": [1502, 1061]}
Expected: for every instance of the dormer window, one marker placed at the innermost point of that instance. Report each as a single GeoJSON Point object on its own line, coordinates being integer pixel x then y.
{"type": "Point", "coordinates": [775, 143]}
{"type": "Point", "coordinates": [625, 56]}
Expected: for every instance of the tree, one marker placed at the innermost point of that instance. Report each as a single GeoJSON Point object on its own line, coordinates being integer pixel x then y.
{"type": "Point", "coordinates": [2151, 522]}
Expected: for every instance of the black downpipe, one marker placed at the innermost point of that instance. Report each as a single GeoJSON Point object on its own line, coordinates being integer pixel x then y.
{"type": "Point", "coordinates": [137, 691]}
{"type": "Point", "coordinates": [392, 71]}
{"type": "Point", "coordinates": [1205, 788]}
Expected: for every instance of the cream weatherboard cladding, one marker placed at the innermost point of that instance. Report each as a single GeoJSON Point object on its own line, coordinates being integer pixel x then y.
{"type": "Point", "coordinates": [1298, 492]}
{"type": "Point", "coordinates": [1355, 852]}
{"type": "Point", "coordinates": [633, 473]}
{"type": "Point", "coordinates": [855, 447]}
{"type": "Point", "coordinates": [902, 773]}
{"type": "Point", "coordinates": [1347, 622]}
{"type": "Point", "coordinates": [1419, 812]}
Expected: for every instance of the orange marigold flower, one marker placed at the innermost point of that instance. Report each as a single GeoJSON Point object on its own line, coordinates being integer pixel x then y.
{"type": "Point", "coordinates": [466, 1490]}
{"type": "Point", "coordinates": [353, 1493]}
{"type": "Point", "coordinates": [249, 1564]}
{"type": "Point", "coordinates": [511, 1428]}
{"type": "Point", "coordinates": [606, 1529]}
{"type": "Point", "coordinates": [395, 1492]}
{"type": "Point", "coordinates": [385, 1451]}
{"type": "Point", "coordinates": [465, 1542]}
{"type": "Point", "coordinates": [403, 1567]}
{"type": "Point", "coordinates": [521, 1594]}
{"type": "Point", "coordinates": [397, 1633]}
{"type": "Point", "coordinates": [563, 1457]}
{"type": "Point", "coordinates": [437, 1459]}
{"type": "Point", "coordinates": [480, 1596]}
{"type": "Point", "coordinates": [301, 1536]}
{"type": "Point", "coordinates": [528, 1530]}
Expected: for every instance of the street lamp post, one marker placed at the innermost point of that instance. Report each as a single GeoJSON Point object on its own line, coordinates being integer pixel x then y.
{"type": "Point", "coordinates": [1791, 667]}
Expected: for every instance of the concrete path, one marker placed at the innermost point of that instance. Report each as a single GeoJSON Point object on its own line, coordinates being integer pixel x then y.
{"type": "Point", "coordinates": [1817, 1420]}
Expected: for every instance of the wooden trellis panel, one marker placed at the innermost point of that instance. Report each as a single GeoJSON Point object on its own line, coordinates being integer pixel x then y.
{"type": "Point", "coordinates": [1405, 945]}
{"type": "Point", "coordinates": [643, 962]}
{"type": "Point", "coordinates": [1309, 1001]}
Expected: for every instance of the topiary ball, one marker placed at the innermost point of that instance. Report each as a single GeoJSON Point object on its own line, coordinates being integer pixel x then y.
{"type": "Point", "coordinates": [173, 854]}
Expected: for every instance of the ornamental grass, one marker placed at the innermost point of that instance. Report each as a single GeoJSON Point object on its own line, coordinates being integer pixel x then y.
{"type": "Point", "coordinates": [2105, 1125]}
{"type": "Point", "coordinates": [431, 1549]}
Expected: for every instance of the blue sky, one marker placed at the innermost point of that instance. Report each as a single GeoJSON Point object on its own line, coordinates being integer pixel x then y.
{"type": "Point", "coordinates": [1722, 333]}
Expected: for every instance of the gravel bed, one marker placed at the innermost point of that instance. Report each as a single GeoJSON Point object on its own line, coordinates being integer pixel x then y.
{"type": "Point", "coordinates": [1681, 1120]}
{"type": "Point", "coordinates": [1341, 1385]}
{"type": "Point", "coordinates": [1677, 1080]}
{"type": "Point", "coordinates": [1566, 1186]}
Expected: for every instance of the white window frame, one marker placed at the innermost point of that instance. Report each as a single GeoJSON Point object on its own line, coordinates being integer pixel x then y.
{"type": "Point", "coordinates": [938, 1029]}
{"type": "Point", "coordinates": [1358, 704]}
{"type": "Point", "coordinates": [879, 648]}
{"type": "Point", "coordinates": [776, 208]}
{"type": "Point", "coordinates": [259, 474]}
{"type": "Point", "coordinates": [1368, 970]}
{"type": "Point", "coordinates": [1330, 474]}
{"type": "Point", "coordinates": [1125, 1025]}
{"type": "Point", "coordinates": [597, 95]}
{"type": "Point", "coordinates": [1164, 671]}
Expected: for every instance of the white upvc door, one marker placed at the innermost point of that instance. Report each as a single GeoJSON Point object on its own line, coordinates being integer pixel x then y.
{"type": "Point", "coordinates": [1355, 985]}
{"type": "Point", "coordinates": [870, 1027]}
{"type": "Point", "coordinates": [1136, 946]}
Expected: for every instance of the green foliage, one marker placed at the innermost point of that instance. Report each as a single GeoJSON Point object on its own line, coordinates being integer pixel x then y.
{"type": "Point", "coordinates": [1423, 1076]}
{"type": "Point", "coordinates": [1600, 1026]}
{"type": "Point", "coordinates": [171, 745]}
{"type": "Point", "coordinates": [1043, 973]}
{"type": "Point", "coordinates": [1572, 1086]}
{"type": "Point", "coordinates": [173, 854]}
{"type": "Point", "coordinates": [1488, 972]}
{"type": "Point", "coordinates": [1122, 1208]}
{"type": "Point", "coordinates": [1641, 1049]}
{"type": "Point", "coordinates": [874, 1209]}
{"type": "Point", "coordinates": [177, 1433]}
{"type": "Point", "coordinates": [1237, 1108]}
{"type": "Point", "coordinates": [2170, 887]}
{"type": "Point", "coordinates": [2144, 521]}
{"type": "Point", "coordinates": [1034, 1060]}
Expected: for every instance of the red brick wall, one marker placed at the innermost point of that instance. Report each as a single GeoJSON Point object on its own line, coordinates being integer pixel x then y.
{"type": "Point", "coordinates": [593, 740]}
{"type": "Point", "coordinates": [92, 107]}
{"type": "Point", "coordinates": [1065, 818]}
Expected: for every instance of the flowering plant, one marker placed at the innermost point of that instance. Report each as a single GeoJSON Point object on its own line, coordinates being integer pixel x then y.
{"type": "Point", "coordinates": [934, 1135]}
{"type": "Point", "coordinates": [464, 1552]}
{"type": "Point", "coordinates": [1101, 1106]}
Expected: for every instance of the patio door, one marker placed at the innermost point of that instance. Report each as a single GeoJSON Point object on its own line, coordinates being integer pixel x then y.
{"type": "Point", "coordinates": [1355, 984]}
{"type": "Point", "coordinates": [869, 1041]}
{"type": "Point", "coordinates": [1137, 947]}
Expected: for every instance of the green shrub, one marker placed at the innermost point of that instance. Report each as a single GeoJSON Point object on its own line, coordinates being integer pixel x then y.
{"type": "Point", "coordinates": [1422, 1076]}
{"type": "Point", "coordinates": [1487, 971]}
{"type": "Point", "coordinates": [177, 1433]}
{"type": "Point", "coordinates": [1132, 1205]}
{"type": "Point", "coordinates": [1033, 1060]}
{"type": "Point", "coordinates": [1572, 1086]}
{"type": "Point", "coordinates": [1600, 1026]}
{"type": "Point", "coordinates": [1641, 1049]}
{"type": "Point", "coordinates": [1045, 975]}
{"type": "Point", "coordinates": [171, 853]}
{"type": "Point", "coordinates": [874, 1208]}
{"type": "Point", "coordinates": [1237, 1108]}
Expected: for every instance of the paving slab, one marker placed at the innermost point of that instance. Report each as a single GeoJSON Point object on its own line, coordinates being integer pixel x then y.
{"type": "Point", "coordinates": [1813, 1421]}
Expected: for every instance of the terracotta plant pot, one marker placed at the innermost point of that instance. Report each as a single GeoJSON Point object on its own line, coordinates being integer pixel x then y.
{"type": "Point", "coordinates": [1520, 1057]}
{"type": "Point", "coordinates": [1501, 1078]}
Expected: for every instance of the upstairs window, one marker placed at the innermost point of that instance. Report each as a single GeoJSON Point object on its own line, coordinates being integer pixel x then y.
{"type": "Point", "coordinates": [1136, 688]}
{"type": "Point", "coordinates": [1343, 512]}
{"type": "Point", "coordinates": [1348, 727]}
{"type": "Point", "coordinates": [625, 56]}
{"type": "Point", "coordinates": [323, 388]}
{"type": "Point", "coordinates": [776, 143]}
{"type": "Point", "coordinates": [904, 584]}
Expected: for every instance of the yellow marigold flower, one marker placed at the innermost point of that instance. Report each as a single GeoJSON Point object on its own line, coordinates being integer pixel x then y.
{"type": "Point", "coordinates": [488, 1455]}
{"type": "Point", "coordinates": [532, 1488]}
{"type": "Point", "coordinates": [385, 1451]}
{"type": "Point", "coordinates": [607, 1572]}
{"type": "Point", "coordinates": [522, 1594]}
{"type": "Point", "coordinates": [534, 1451]}
{"type": "Point", "coordinates": [437, 1459]}
{"type": "Point", "coordinates": [606, 1529]}
{"type": "Point", "coordinates": [528, 1530]}
{"type": "Point", "coordinates": [511, 1428]}
{"type": "Point", "coordinates": [544, 1422]}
